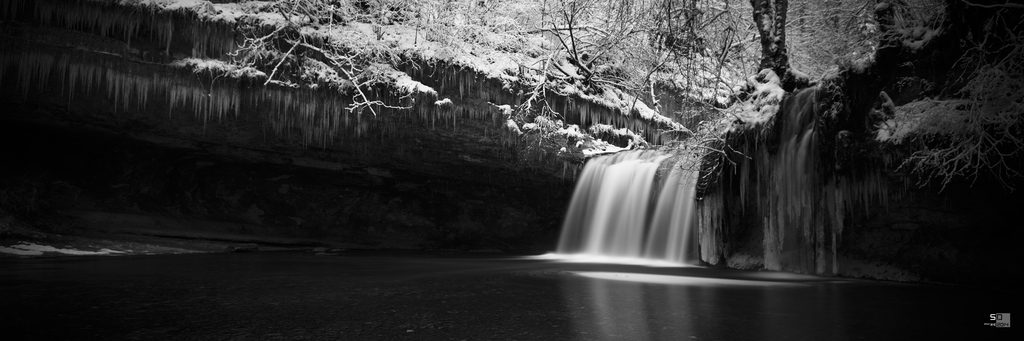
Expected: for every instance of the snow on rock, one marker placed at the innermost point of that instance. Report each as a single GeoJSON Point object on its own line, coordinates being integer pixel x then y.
{"type": "Point", "coordinates": [228, 13]}
{"type": "Point", "coordinates": [925, 117]}
{"type": "Point", "coordinates": [621, 132]}
{"type": "Point", "coordinates": [800, 74]}
{"type": "Point", "coordinates": [399, 79]}
{"type": "Point", "coordinates": [513, 59]}
{"type": "Point", "coordinates": [487, 56]}
{"type": "Point", "coordinates": [29, 249]}
{"type": "Point", "coordinates": [446, 102]}
{"type": "Point", "coordinates": [599, 147]}
{"type": "Point", "coordinates": [409, 41]}
{"type": "Point", "coordinates": [513, 127]}
{"type": "Point", "coordinates": [165, 4]}
{"type": "Point", "coordinates": [545, 125]}
{"type": "Point", "coordinates": [634, 140]}
{"type": "Point", "coordinates": [625, 103]}
{"type": "Point", "coordinates": [19, 252]}
{"type": "Point", "coordinates": [887, 103]}
{"type": "Point", "coordinates": [898, 129]}
{"type": "Point", "coordinates": [860, 65]}
{"type": "Point", "coordinates": [506, 109]}
{"type": "Point", "coordinates": [764, 100]}
{"type": "Point", "coordinates": [599, 128]}
{"type": "Point", "coordinates": [572, 131]}
{"type": "Point", "coordinates": [198, 65]}
{"type": "Point", "coordinates": [405, 83]}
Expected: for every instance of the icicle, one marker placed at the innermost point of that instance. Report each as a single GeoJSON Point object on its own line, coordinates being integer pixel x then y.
{"type": "Point", "coordinates": [167, 34]}
{"type": "Point", "coordinates": [5, 63]}
{"type": "Point", "coordinates": [10, 10]}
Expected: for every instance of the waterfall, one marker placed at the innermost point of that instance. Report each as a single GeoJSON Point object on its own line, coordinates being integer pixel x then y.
{"type": "Point", "coordinates": [795, 191]}
{"type": "Point", "coordinates": [785, 204]}
{"type": "Point", "coordinates": [636, 205]}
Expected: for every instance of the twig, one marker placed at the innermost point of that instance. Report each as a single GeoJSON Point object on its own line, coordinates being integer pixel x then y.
{"type": "Point", "coordinates": [286, 54]}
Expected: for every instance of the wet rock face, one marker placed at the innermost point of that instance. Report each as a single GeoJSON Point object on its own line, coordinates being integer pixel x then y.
{"type": "Point", "coordinates": [370, 204]}
{"type": "Point", "coordinates": [139, 139]}
{"type": "Point", "coordinates": [116, 134]}
{"type": "Point", "coordinates": [790, 208]}
{"type": "Point", "coordinates": [963, 234]}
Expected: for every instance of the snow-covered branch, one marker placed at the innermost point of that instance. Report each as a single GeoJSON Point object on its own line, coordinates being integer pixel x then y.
{"type": "Point", "coordinates": [1002, 5]}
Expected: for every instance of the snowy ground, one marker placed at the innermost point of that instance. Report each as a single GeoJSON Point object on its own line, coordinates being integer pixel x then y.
{"type": "Point", "coordinates": [51, 245]}
{"type": "Point", "coordinates": [29, 242]}
{"type": "Point", "coordinates": [31, 249]}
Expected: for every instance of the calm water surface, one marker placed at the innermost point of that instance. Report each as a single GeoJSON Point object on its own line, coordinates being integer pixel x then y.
{"type": "Point", "coordinates": [388, 295]}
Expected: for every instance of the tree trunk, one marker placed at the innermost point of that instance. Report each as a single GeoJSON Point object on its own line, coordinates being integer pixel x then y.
{"type": "Point", "coordinates": [770, 19]}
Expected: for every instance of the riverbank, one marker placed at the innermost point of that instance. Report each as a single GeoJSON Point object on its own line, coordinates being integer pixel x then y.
{"type": "Point", "coordinates": [122, 238]}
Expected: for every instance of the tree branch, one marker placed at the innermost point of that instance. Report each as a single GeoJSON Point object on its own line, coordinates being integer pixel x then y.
{"type": "Point", "coordinates": [1003, 5]}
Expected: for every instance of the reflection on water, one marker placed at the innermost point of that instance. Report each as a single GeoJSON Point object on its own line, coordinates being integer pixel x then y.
{"type": "Point", "coordinates": [614, 318]}
{"type": "Point", "coordinates": [601, 259]}
{"type": "Point", "coordinates": [381, 295]}
{"type": "Point", "coordinates": [680, 280]}
{"type": "Point", "coordinates": [643, 306]}
{"type": "Point", "coordinates": [619, 302]}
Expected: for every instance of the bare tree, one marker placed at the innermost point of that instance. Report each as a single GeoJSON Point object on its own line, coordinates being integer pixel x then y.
{"type": "Point", "coordinates": [338, 66]}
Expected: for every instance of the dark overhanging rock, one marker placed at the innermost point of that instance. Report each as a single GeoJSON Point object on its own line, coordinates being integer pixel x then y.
{"type": "Point", "coordinates": [453, 154]}
{"type": "Point", "coordinates": [860, 199]}
{"type": "Point", "coordinates": [145, 76]}
{"type": "Point", "coordinates": [149, 37]}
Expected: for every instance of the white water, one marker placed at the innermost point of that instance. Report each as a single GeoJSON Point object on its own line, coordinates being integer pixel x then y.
{"type": "Point", "coordinates": [625, 210]}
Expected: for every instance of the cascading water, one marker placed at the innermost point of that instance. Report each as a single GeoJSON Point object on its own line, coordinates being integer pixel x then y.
{"type": "Point", "coordinates": [629, 205]}
{"type": "Point", "coordinates": [791, 199]}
